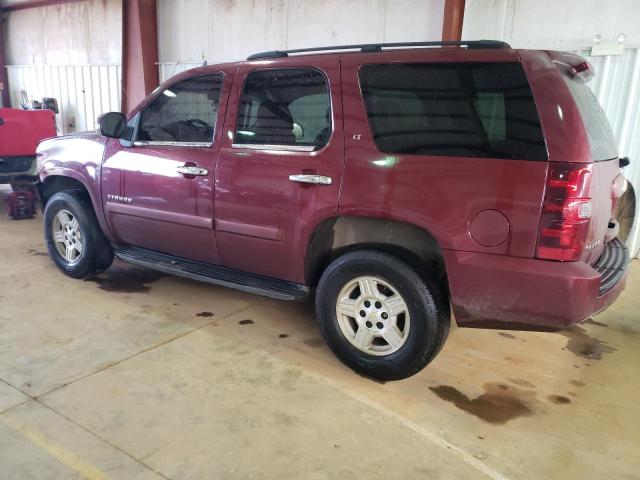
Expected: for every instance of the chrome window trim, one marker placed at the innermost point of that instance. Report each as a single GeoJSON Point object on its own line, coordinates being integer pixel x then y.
{"type": "Point", "coordinates": [145, 143]}
{"type": "Point", "coordinates": [286, 148]}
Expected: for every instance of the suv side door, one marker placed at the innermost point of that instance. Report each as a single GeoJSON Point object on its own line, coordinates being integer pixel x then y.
{"type": "Point", "coordinates": [280, 165]}
{"type": "Point", "coordinates": [158, 192]}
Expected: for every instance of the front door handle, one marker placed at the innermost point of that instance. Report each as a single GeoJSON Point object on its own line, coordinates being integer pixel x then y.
{"type": "Point", "coordinates": [193, 171]}
{"type": "Point", "coordinates": [315, 179]}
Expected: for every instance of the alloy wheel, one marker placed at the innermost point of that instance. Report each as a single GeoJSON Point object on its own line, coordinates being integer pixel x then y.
{"type": "Point", "coordinates": [373, 316]}
{"type": "Point", "coordinates": [67, 236]}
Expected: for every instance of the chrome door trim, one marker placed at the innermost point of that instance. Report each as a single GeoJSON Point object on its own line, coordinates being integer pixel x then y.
{"type": "Point", "coordinates": [285, 148]}
{"type": "Point", "coordinates": [144, 143]}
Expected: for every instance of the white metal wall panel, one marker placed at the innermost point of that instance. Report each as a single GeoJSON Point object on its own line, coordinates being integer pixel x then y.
{"type": "Point", "coordinates": [83, 91]}
{"type": "Point", "coordinates": [169, 69]}
{"type": "Point", "coordinates": [227, 30]}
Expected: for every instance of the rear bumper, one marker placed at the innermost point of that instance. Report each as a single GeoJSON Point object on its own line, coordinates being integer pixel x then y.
{"type": "Point", "coordinates": [493, 291]}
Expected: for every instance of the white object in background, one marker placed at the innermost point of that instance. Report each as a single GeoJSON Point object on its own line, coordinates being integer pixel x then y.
{"type": "Point", "coordinates": [600, 49]}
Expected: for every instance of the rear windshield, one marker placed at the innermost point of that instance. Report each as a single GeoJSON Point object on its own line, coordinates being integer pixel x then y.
{"type": "Point", "coordinates": [601, 140]}
{"type": "Point", "coordinates": [453, 109]}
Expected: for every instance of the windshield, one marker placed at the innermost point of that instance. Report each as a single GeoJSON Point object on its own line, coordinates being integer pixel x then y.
{"type": "Point", "coordinates": [601, 140]}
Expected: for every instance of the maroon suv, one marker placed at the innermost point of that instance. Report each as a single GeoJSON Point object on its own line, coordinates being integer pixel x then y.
{"type": "Point", "coordinates": [390, 180]}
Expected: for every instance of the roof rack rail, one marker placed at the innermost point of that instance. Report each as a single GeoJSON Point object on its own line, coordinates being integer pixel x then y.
{"type": "Point", "coordinates": [377, 47]}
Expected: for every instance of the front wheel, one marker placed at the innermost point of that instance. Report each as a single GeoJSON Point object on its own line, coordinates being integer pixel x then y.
{"type": "Point", "coordinates": [73, 236]}
{"type": "Point", "coordinates": [379, 316]}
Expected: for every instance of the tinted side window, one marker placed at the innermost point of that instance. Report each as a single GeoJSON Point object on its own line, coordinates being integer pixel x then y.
{"type": "Point", "coordinates": [285, 107]}
{"type": "Point", "coordinates": [453, 109]}
{"type": "Point", "coordinates": [185, 112]}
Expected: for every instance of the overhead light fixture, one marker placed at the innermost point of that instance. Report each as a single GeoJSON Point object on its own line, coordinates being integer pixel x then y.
{"type": "Point", "coordinates": [621, 38]}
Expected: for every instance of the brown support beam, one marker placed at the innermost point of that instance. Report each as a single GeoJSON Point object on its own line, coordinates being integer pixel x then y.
{"type": "Point", "coordinates": [36, 3]}
{"type": "Point", "coordinates": [452, 21]}
{"type": "Point", "coordinates": [139, 51]}
{"type": "Point", "coordinates": [4, 79]}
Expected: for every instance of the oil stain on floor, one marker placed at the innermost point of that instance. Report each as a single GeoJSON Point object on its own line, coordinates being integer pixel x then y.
{"type": "Point", "coordinates": [127, 279]}
{"type": "Point", "coordinates": [522, 382]}
{"type": "Point", "coordinates": [498, 404]}
{"type": "Point", "coordinates": [559, 399]}
{"type": "Point", "coordinates": [583, 345]}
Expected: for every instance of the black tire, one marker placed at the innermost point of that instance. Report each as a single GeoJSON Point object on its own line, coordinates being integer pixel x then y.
{"type": "Point", "coordinates": [426, 303]}
{"type": "Point", "coordinates": [97, 254]}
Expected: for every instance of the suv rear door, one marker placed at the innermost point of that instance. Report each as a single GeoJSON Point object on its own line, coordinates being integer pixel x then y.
{"type": "Point", "coordinates": [577, 132]}
{"type": "Point", "coordinates": [279, 169]}
{"type": "Point", "coordinates": [606, 166]}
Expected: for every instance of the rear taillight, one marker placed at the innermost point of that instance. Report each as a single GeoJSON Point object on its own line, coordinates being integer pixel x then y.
{"type": "Point", "coordinates": [566, 212]}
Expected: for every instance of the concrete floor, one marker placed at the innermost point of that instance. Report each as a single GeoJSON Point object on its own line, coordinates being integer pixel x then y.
{"type": "Point", "coordinates": [141, 375]}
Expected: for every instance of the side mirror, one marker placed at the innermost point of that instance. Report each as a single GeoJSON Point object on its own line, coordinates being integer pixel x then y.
{"type": "Point", "coordinates": [112, 124]}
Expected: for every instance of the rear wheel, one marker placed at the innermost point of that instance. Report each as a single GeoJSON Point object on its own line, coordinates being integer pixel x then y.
{"type": "Point", "coordinates": [379, 316]}
{"type": "Point", "coordinates": [73, 236]}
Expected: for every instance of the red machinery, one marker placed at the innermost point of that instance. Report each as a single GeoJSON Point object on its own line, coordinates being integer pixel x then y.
{"type": "Point", "coordinates": [20, 133]}
{"type": "Point", "coordinates": [22, 130]}
{"type": "Point", "coordinates": [20, 204]}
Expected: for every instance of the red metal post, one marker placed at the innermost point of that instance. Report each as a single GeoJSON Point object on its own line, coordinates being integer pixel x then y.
{"type": "Point", "coordinates": [452, 21]}
{"type": "Point", "coordinates": [139, 51]}
{"type": "Point", "coordinates": [4, 79]}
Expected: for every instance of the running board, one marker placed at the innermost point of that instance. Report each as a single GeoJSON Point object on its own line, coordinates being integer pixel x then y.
{"type": "Point", "coordinates": [205, 272]}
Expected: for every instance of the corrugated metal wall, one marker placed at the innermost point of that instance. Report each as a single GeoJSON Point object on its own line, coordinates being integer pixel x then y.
{"type": "Point", "coordinates": [617, 86]}
{"type": "Point", "coordinates": [83, 91]}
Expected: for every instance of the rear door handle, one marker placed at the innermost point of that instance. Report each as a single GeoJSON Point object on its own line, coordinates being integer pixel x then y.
{"type": "Point", "coordinates": [194, 171]}
{"type": "Point", "coordinates": [315, 179]}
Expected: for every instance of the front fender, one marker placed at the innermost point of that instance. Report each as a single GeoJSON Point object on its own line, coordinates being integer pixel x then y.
{"type": "Point", "coordinates": [79, 158]}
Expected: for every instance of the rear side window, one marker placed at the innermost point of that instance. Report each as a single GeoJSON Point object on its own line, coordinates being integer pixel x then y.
{"type": "Point", "coordinates": [185, 112]}
{"type": "Point", "coordinates": [453, 109]}
{"type": "Point", "coordinates": [285, 107]}
{"type": "Point", "coordinates": [601, 139]}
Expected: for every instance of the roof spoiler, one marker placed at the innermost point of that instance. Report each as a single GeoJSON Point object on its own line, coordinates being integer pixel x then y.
{"type": "Point", "coordinates": [573, 65]}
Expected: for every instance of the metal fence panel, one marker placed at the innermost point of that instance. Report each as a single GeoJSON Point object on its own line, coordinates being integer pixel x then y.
{"type": "Point", "coordinates": [83, 91]}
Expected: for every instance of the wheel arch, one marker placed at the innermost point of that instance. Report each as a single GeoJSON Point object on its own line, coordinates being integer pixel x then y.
{"type": "Point", "coordinates": [56, 183]}
{"type": "Point", "coordinates": [338, 235]}
{"type": "Point", "coordinates": [53, 183]}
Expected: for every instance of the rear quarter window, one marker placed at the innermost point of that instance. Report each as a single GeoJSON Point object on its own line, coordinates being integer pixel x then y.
{"type": "Point", "coordinates": [601, 139]}
{"type": "Point", "coordinates": [452, 109]}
